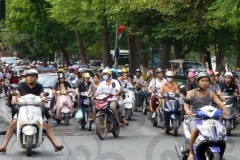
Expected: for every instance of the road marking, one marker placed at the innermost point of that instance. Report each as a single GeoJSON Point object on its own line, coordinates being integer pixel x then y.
{"type": "Point", "coordinates": [145, 131]}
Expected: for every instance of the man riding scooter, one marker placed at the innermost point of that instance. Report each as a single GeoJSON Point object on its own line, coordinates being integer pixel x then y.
{"type": "Point", "coordinates": [138, 81]}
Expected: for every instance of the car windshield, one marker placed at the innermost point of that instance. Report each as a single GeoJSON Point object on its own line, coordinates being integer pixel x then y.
{"type": "Point", "coordinates": [96, 63]}
{"type": "Point", "coordinates": [193, 65]}
{"type": "Point", "coordinates": [10, 60]}
{"type": "Point", "coordinates": [47, 81]}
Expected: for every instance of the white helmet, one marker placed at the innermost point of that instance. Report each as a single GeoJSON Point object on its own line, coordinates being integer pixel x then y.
{"type": "Point", "coordinates": [228, 74]}
{"type": "Point", "coordinates": [169, 74]}
{"type": "Point", "coordinates": [32, 71]}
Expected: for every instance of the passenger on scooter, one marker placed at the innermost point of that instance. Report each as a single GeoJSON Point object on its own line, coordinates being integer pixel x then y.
{"type": "Point", "coordinates": [120, 103]}
{"type": "Point", "coordinates": [201, 97]}
{"type": "Point", "coordinates": [154, 88]}
{"type": "Point", "coordinates": [83, 87]}
{"type": "Point", "coordinates": [14, 79]}
{"type": "Point", "coordinates": [191, 84]}
{"type": "Point", "coordinates": [214, 86]}
{"type": "Point", "coordinates": [24, 88]}
{"type": "Point", "coordinates": [217, 77]}
{"type": "Point", "coordinates": [106, 86]}
{"type": "Point", "coordinates": [229, 84]}
{"type": "Point", "coordinates": [24, 76]}
{"type": "Point", "coordinates": [61, 84]}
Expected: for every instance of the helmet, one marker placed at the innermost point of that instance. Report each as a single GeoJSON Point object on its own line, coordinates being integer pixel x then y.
{"type": "Point", "coordinates": [124, 70]}
{"type": "Point", "coordinates": [81, 70]}
{"type": "Point", "coordinates": [86, 75]}
{"type": "Point", "coordinates": [32, 72]}
{"type": "Point", "coordinates": [108, 71]}
{"type": "Point", "coordinates": [201, 75]}
{"type": "Point", "coordinates": [115, 71]}
{"type": "Point", "coordinates": [60, 71]}
{"type": "Point", "coordinates": [100, 70]}
{"type": "Point", "coordinates": [191, 74]}
{"type": "Point", "coordinates": [158, 70]}
{"type": "Point", "coordinates": [61, 76]}
{"type": "Point", "coordinates": [228, 74]}
{"type": "Point", "coordinates": [210, 73]}
{"type": "Point", "coordinates": [24, 73]}
{"type": "Point", "coordinates": [169, 74]}
{"type": "Point", "coordinates": [217, 74]}
{"type": "Point", "coordinates": [138, 70]}
{"type": "Point", "coordinates": [14, 72]}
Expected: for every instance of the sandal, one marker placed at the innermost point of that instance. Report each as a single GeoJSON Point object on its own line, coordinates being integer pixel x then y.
{"type": "Point", "coordinates": [2, 150]}
{"type": "Point", "coordinates": [127, 124]}
{"type": "Point", "coordinates": [58, 148]}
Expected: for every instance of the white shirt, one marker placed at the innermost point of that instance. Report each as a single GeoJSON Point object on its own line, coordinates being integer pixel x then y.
{"type": "Point", "coordinates": [138, 80]}
{"type": "Point", "coordinates": [157, 84]}
{"type": "Point", "coordinates": [103, 87]}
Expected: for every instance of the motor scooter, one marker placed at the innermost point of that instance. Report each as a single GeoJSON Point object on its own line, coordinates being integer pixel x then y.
{"type": "Point", "coordinates": [105, 120]}
{"type": "Point", "coordinates": [211, 141]}
{"type": "Point", "coordinates": [128, 100]}
{"type": "Point", "coordinates": [170, 113]}
{"type": "Point", "coordinates": [63, 109]}
{"type": "Point", "coordinates": [30, 123]}
{"type": "Point", "coordinates": [87, 111]}
{"type": "Point", "coordinates": [231, 120]}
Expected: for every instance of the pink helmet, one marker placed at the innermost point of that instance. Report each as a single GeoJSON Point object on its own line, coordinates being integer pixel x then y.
{"type": "Point", "coordinates": [191, 74]}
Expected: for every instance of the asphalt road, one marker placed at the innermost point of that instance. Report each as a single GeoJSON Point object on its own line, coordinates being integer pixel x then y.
{"type": "Point", "coordinates": [139, 141]}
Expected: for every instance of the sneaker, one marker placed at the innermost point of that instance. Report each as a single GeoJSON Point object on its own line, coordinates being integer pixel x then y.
{"type": "Point", "coordinates": [154, 115]}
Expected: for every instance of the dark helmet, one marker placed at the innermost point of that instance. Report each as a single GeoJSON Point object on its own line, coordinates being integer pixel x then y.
{"type": "Point", "coordinates": [158, 70]}
{"type": "Point", "coordinates": [61, 76]}
{"type": "Point", "coordinates": [202, 75]}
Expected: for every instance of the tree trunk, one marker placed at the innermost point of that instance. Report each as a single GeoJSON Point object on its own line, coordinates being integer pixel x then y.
{"type": "Point", "coordinates": [165, 55]}
{"type": "Point", "coordinates": [238, 49]}
{"type": "Point", "coordinates": [134, 48]}
{"type": "Point", "coordinates": [208, 57]}
{"type": "Point", "coordinates": [219, 58]}
{"type": "Point", "coordinates": [63, 50]}
{"type": "Point", "coordinates": [178, 48]}
{"type": "Point", "coordinates": [105, 44]}
{"type": "Point", "coordinates": [81, 47]}
{"type": "Point", "coordinates": [145, 60]}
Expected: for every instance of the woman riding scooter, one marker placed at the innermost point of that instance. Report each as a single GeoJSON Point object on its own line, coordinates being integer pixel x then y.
{"type": "Point", "coordinates": [61, 84]}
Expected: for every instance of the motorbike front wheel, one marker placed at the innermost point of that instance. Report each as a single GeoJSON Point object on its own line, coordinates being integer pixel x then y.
{"type": "Point", "coordinates": [144, 108]}
{"type": "Point", "coordinates": [128, 114]}
{"type": "Point", "coordinates": [101, 127]}
{"type": "Point", "coordinates": [175, 127]}
{"type": "Point", "coordinates": [228, 127]}
{"type": "Point", "coordinates": [29, 146]}
{"type": "Point", "coordinates": [214, 156]}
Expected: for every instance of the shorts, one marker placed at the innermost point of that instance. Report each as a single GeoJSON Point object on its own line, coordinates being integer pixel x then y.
{"type": "Point", "coordinates": [192, 125]}
{"type": "Point", "coordinates": [44, 118]}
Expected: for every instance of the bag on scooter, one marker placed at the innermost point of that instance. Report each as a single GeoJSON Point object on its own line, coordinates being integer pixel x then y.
{"type": "Point", "coordinates": [86, 101]}
{"type": "Point", "coordinates": [79, 115]}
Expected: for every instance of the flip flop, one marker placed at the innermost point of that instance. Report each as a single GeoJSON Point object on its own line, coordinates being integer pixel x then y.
{"type": "Point", "coordinates": [58, 148]}
{"type": "Point", "coordinates": [2, 150]}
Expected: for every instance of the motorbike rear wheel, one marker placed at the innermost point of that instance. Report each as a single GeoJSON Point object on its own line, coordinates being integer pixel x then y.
{"type": "Point", "coordinates": [29, 146]}
{"type": "Point", "coordinates": [116, 132]}
{"type": "Point", "coordinates": [66, 119]}
{"type": "Point", "coordinates": [87, 120]}
{"type": "Point", "coordinates": [144, 108]}
{"type": "Point", "coordinates": [175, 127]}
{"type": "Point", "coordinates": [101, 127]}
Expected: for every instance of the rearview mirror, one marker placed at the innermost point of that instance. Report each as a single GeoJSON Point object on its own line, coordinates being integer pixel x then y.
{"type": "Point", "coordinates": [113, 85]}
{"type": "Point", "coordinates": [187, 100]}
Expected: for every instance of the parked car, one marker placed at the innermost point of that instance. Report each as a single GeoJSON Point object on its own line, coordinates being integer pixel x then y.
{"type": "Point", "coordinates": [18, 68]}
{"type": "Point", "coordinates": [12, 60]}
{"type": "Point", "coordinates": [95, 64]}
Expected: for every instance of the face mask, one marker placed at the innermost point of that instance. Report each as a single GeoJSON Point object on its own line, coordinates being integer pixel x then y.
{"type": "Point", "coordinates": [169, 79]}
{"type": "Point", "coordinates": [105, 77]}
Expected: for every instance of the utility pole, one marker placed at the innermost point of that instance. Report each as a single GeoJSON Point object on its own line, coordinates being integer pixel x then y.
{"type": "Point", "coordinates": [2, 9]}
{"type": "Point", "coordinates": [116, 47]}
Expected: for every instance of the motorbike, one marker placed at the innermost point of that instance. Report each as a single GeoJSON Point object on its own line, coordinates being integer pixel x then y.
{"type": "Point", "coordinates": [87, 111]}
{"type": "Point", "coordinates": [128, 100]}
{"type": "Point", "coordinates": [211, 141]}
{"type": "Point", "coordinates": [231, 120]}
{"type": "Point", "coordinates": [170, 113]}
{"type": "Point", "coordinates": [63, 109]}
{"type": "Point", "coordinates": [30, 123]}
{"type": "Point", "coordinates": [11, 89]}
{"type": "Point", "coordinates": [154, 120]}
{"type": "Point", "coordinates": [105, 120]}
{"type": "Point", "coordinates": [146, 100]}
{"type": "Point", "coordinates": [140, 91]}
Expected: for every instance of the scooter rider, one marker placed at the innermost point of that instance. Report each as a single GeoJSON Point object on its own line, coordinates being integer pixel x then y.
{"type": "Point", "coordinates": [229, 84]}
{"type": "Point", "coordinates": [201, 97]}
{"type": "Point", "coordinates": [24, 88]}
{"type": "Point", "coordinates": [154, 87]}
{"type": "Point", "coordinates": [138, 79]}
{"type": "Point", "coordinates": [124, 79]}
{"type": "Point", "coordinates": [120, 103]}
{"type": "Point", "coordinates": [214, 86]}
{"type": "Point", "coordinates": [61, 84]}
{"type": "Point", "coordinates": [106, 86]}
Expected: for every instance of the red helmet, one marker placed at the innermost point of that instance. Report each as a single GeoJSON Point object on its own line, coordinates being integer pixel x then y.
{"type": "Point", "coordinates": [211, 73]}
